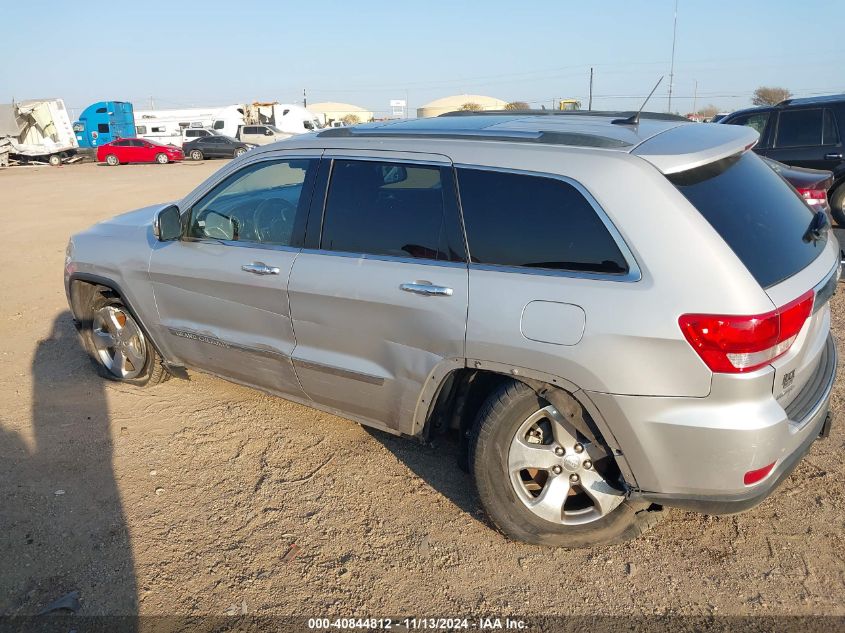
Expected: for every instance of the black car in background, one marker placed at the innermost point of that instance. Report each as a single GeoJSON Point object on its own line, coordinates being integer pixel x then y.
{"type": "Point", "coordinates": [804, 132]}
{"type": "Point", "coordinates": [217, 146]}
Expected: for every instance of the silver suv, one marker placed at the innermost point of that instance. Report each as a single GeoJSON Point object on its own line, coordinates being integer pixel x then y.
{"type": "Point", "coordinates": [612, 315]}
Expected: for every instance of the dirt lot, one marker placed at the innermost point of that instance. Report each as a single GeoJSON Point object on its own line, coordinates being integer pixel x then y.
{"type": "Point", "coordinates": [204, 497]}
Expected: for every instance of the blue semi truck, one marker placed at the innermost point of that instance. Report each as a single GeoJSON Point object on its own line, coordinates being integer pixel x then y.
{"type": "Point", "coordinates": [104, 122]}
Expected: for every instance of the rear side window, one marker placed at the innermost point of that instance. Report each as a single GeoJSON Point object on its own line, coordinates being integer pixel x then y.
{"type": "Point", "coordinates": [534, 222]}
{"type": "Point", "coordinates": [389, 209]}
{"type": "Point", "coordinates": [755, 212]}
{"type": "Point", "coordinates": [806, 128]}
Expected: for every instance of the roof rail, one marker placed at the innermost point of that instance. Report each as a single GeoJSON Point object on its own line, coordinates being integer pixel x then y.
{"type": "Point", "coordinates": [575, 139]}
{"type": "Point", "coordinates": [811, 100]}
{"type": "Point", "coordinates": [655, 116]}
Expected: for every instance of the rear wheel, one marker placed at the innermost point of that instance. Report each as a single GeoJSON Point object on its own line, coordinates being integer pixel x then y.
{"type": "Point", "coordinates": [837, 205]}
{"type": "Point", "coordinates": [162, 159]}
{"type": "Point", "coordinates": [55, 160]}
{"type": "Point", "coordinates": [196, 154]}
{"type": "Point", "coordinates": [112, 160]}
{"type": "Point", "coordinates": [542, 481]}
{"type": "Point", "coordinates": [118, 347]}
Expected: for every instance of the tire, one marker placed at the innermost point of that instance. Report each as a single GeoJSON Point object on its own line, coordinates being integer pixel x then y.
{"type": "Point", "coordinates": [142, 366]}
{"type": "Point", "coordinates": [240, 152]}
{"type": "Point", "coordinates": [506, 412]}
{"type": "Point", "coordinates": [837, 205]}
{"type": "Point", "coordinates": [162, 159]}
{"type": "Point", "coordinates": [112, 160]}
{"type": "Point", "coordinates": [55, 160]}
{"type": "Point", "coordinates": [196, 154]}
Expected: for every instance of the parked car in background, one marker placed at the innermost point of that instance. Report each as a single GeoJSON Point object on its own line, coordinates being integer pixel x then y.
{"type": "Point", "coordinates": [811, 184]}
{"type": "Point", "coordinates": [805, 132]}
{"type": "Point", "coordinates": [137, 150]}
{"type": "Point", "coordinates": [718, 117]}
{"type": "Point", "coordinates": [261, 134]}
{"type": "Point", "coordinates": [629, 339]}
{"type": "Point", "coordinates": [217, 146]}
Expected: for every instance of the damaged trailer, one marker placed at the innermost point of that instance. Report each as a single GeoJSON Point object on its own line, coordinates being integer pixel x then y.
{"type": "Point", "coordinates": [37, 132]}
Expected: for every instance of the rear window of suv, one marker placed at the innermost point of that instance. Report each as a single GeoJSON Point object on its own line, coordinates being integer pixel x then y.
{"type": "Point", "coordinates": [755, 212]}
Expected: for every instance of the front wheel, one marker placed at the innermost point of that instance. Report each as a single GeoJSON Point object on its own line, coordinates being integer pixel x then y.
{"type": "Point", "coordinates": [118, 347]}
{"type": "Point", "coordinates": [196, 154]}
{"type": "Point", "coordinates": [837, 205]}
{"type": "Point", "coordinates": [162, 159]}
{"type": "Point", "coordinates": [55, 160]}
{"type": "Point", "coordinates": [542, 481]}
{"type": "Point", "coordinates": [240, 152]}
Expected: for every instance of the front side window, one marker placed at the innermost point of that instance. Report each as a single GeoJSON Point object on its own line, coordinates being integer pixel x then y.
{"type": "Point", "coordinates": [800, 128]}
{"type": "Point", "coordinates": [259, 204]}
{"type": "Point", "coordinates": [755, 121]}
{"type": "Point", "coordinates": [387, 209]}
{"type": "Point", "coordinates": [534, 222]}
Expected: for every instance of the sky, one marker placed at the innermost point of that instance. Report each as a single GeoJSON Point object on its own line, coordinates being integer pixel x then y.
{"type": "Point", "coordinates": [186, 53]}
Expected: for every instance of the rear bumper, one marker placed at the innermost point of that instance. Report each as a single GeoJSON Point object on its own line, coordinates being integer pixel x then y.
{"type": "Point", "coordinates": [692, 453]}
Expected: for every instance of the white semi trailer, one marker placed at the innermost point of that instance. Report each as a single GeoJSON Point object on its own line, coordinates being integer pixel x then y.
{"type": "Point", "coordinates": [37, 131]}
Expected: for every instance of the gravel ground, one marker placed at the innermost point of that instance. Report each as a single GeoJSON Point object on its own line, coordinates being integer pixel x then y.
{"type": "Point", "coordinates": [203, 497]}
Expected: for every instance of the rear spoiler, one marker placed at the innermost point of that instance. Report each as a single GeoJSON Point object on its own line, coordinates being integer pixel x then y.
{"type": "Point", "coordinates": [689, 146]}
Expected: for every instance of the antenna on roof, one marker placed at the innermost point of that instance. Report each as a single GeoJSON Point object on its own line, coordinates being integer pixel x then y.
{"type": "Point", "coordinates": [634, 119]}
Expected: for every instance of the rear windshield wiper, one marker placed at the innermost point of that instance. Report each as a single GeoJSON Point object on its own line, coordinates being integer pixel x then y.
{"type": "Point", "coordinates": [819, 226]}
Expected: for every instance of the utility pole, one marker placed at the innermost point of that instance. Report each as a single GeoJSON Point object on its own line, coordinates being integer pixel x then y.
{"type": "Point", "coordinates": [695, 98]}
{"type": "Point", "coordinates": [304, 99]}
{"type": "Point", "coordinates": [672, 65]}
{"type": "Point", "coordinates": [590, 102]}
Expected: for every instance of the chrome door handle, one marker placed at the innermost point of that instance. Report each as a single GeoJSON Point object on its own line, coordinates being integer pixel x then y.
{"type": "Point", "coordinates": [833, 156]}
{"type": "Point", "coordinates": [426, 289]}
{"type": "Point", "coordinates": [260, 268]}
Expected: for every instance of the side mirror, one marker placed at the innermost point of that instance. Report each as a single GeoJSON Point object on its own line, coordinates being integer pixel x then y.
{"type": "Point", "coordinates": [168, 224]}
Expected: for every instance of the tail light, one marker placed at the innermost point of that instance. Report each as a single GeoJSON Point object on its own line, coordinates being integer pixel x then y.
{"type": "Point", "coordinates": [733, 344]}
{"type": "Point", "coordinates": [813, 196]}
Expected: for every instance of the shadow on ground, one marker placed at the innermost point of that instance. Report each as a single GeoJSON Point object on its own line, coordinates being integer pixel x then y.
{"type": "Point", "coordinates": [436, 463]}
{"type": "Point", "coordinates": [62, 525]}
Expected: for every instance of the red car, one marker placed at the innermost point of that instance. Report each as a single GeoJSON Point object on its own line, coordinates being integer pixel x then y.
{"type": "Point", "coordinates": [137, 150]}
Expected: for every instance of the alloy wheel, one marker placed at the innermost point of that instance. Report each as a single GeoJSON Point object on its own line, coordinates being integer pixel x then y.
{"type": "Point", "coordinates": [558, 474]}
{"type": "Point", "coordinates": [119, 342]}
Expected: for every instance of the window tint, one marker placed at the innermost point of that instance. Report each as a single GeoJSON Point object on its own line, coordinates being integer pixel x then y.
{"type": "Point", "coordinates": [251, 130]}
{"type": "Point", "coordinates": [120, 144]}
{"type": "Point", "coordinates": [103, 128]}
{"type": "Point", "coordinates": [388, 209]}
{"type": "Point", "coordinates": [800, 128]}
{"type": "Point", "coordinates": [260, 203]}
{"type": "Point", "coordinates": [536, 222]}
{"type": "Point", "coordinates": [755, 212]}
{"type": "Point", "coordinates": [137, 144]}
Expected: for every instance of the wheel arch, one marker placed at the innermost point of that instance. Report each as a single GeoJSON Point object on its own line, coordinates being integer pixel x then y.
{"type": "Point", "coordinates": [81, 287]}
{"type": "Point", "coordinates": [457, 388]}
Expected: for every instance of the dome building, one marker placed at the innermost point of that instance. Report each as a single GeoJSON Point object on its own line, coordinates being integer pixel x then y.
{"type": "Point", "coordinates": [329, 111]}
{"type": "Point", "coordinates": [456, 102]}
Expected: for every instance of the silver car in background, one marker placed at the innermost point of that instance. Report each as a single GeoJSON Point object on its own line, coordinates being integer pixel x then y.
{"type": "Point", "coordinates": [612, 314]}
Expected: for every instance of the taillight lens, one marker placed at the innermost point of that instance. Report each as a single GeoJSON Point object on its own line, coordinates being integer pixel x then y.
{"type": "Point", "coordinates": [733, 344]}
{"type": "Point", "coordinates": [813, 196]}
{"type": "Point", "coordinates": [754, 476]}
